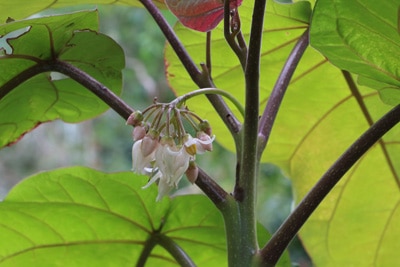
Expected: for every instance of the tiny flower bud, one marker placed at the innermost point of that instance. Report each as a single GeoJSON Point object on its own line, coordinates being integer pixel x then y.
{"type": "Point", "coordinates": [135, 118]}
{"type": "Point", "coordinates": [138, 132]}
{"type": "Point", "coordinates": [149, 143]}
{"type": "Point", "coordinates": [192, 172]}
{"type": "Point", "coordinates": [205, 127]}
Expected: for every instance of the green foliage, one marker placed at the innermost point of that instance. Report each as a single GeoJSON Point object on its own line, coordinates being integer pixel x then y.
{"type": "Point", "coordinates": [19, 9]}
{"type": "Point", "coordinates": [78, 216]}
{"type": "Point", "coordinates": [82, 217]}
{"type": "Point", "coordinates": [285, 24]}
{"type": "Point", "coordinates": [361, 37]}
{"type": "Point", "coordinates": [319, 118]}
{"type": "Point", "coordinates": [48, 96]}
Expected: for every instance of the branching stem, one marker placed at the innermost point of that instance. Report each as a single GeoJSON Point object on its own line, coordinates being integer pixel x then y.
{"type": "Point", "coordinates": [238, 48]}
{"type": "Point", "coordinates": [280, 240]}
{"type": "Point", "coordinates": [201, 78]}
{"type": "Point", "coordinates": [210, 91]}
{"type": "Point", "coordinates": [275, 99]}
{"type": "Point", "coordinates": [168, 244]}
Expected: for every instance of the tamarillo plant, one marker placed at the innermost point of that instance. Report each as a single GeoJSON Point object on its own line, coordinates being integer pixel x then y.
{"type": "Point", "coordinates": [312, 87]}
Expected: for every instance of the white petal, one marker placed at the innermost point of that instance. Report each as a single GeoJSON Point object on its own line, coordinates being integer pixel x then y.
{"type": "Point", "coordinates": [163, 189]}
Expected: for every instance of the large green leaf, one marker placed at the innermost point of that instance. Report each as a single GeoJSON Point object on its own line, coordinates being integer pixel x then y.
{"type": "Point", "coordinates": [226, 70]}
{"type": "Point", "coordinates": [319, 118]}
{"type": "Point", "coordinates": [82, 217]}
{"type": "Point", "coordinates": [362, 37]}
{"type": "Point", "coordinates": [48, 96]}
{"type": "Point", "coordinates": [20, 9]}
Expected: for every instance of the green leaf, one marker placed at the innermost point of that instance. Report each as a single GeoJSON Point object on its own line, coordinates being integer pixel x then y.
{"type": "Point", "coordinates": [226, 71]}
{"type": "Point", "coordinates": [320, 117]}
{"type": "Point", "coordinates": [82, 217]}
{"type": "Point", "coordinates": [19, 9]}
{"type": "Point", "coordinates": [361, 37]}
{"type": "Point", "coordinates": [49, 96]}
{"type": "Point", "coordinates": [263, 236]}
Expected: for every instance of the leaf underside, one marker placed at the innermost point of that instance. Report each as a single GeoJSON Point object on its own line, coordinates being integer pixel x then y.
{"type": "Point", "coordinates": [49, 96]}
{"type": "Point", "coordinates": [320, 117]}
{"type": "Point", "coordinates": [82, 217]}
{"type": "Point", "coordinates": [19, 9]}
{"type": "Point", "coordinates": [362, 37]}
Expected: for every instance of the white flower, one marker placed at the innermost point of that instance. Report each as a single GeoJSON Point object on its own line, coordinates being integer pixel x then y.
{"type": "Point", "coordinates": [163, 186]}
{"type": "Point", "coordinates": [199, 145]}
{"type": "Point", "coordinates": [172, 162]}
{"type": "Point", "coordinates": [139, 161]}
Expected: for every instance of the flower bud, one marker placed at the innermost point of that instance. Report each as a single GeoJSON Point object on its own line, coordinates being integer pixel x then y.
{"type": "Point", "coordinates": [135, 118]}
{"type": "Point", "coordinates": [205, 127]}
{"type": "Point", "coordinates": [192, 172]}
{"type": "Point", "coordinates": [149, 143]}
{"type": "Point", "coordinates": [138, 132]}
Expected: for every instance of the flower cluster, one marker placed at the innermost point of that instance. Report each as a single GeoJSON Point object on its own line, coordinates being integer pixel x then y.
{"type": "Point", "coordinates": [163, 149]}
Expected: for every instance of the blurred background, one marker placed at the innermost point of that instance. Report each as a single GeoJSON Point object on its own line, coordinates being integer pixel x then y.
{"type": "Point", "coordinates": [105, 142]}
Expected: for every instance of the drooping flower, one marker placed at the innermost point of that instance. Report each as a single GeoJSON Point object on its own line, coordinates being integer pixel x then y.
{"type": "Point", "coordinates": [171, 161]}
{"type": "Point", "coordinates": [163, 150]}
{"type": "Point", "coordinates": [163, 186]}
{"type": "Point", "coordinates": [139, 161]}
{"type": "Point", "coordinates": [202, 143]}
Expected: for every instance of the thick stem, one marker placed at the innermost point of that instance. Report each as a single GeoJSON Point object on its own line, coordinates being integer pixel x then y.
{"type": "Point", "coordinates": [168, 244]}
{"type": "Point", "coordinates": [214, 192]}
{"type": "Point", "coordinates": [147, 248]}
{"type": "Point", "coordinates": [280, 240]}
{"type": "Point", "coordinates": [175, 250]}
{"type": "Point", "coordinates": [245, 188]}
{"type": "Point", "coordinates": [275, 99]}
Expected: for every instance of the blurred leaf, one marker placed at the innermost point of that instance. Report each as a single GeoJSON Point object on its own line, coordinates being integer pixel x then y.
{"type": "Point", "coordinates": [19, 9]}
{"type": "Point", "coordinates": [82, 217]}
{"type": "Point", "coordinates": [49, 96]}
{"type": "Point", "coordinates": [319, 118]}
{"type": "Point", "coordinates": [361, 37]}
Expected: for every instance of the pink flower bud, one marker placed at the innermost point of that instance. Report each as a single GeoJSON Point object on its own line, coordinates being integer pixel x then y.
{"type": "Point", "coordinates": [149, 144]}
{"type": "Point", "coordinates": [205, 127]}
{"type": "Point", "coordinates": [135, 118]}
{"type": "Point", "coordinates": [138, 132]}
{"type": "Point", "coordinates": [192, 172]}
